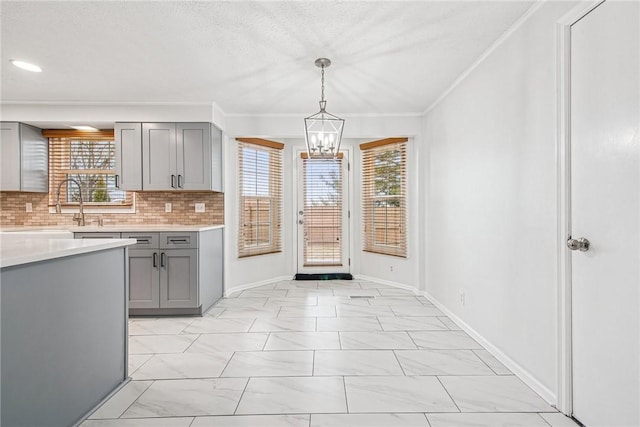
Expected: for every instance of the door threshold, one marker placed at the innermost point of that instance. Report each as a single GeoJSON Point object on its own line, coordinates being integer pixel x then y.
{"type": "Point", "coordinates": [324, 276]}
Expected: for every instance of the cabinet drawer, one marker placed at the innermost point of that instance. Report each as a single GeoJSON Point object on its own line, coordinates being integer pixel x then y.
{"type": "Point", "coordinates": [96, 235]}
{"type": "Point", "coordinates": [145, 240]}
{"type": "Point", "coordinates": [187, 240]}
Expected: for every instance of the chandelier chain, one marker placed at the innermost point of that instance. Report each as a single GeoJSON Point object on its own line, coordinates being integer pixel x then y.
{"type": "Point", "coordinates": [322, 79]}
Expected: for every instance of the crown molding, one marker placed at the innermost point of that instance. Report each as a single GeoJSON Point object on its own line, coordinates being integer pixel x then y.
{"type": "Point", "coordinates": [497, 43]}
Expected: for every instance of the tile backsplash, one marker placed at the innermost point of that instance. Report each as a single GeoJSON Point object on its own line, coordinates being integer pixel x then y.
{"type": "Point", "coordinates": [149, 210]}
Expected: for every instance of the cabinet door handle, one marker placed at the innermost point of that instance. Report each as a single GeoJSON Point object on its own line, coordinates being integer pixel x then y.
{"type": "Point", "coordinates": [173, 181]}
{"type": "Point", "coordinates": [155, 260]}
{"type": "Point", "coordinates": [163, 258]}
{"type": "Point", "coordinates": [180, 181]}
{"type": "Point", "coordinates": [117, 183]}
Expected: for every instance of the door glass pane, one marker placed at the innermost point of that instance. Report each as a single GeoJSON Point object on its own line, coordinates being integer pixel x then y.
{"type": "Point", "coordinates": [322, 212]}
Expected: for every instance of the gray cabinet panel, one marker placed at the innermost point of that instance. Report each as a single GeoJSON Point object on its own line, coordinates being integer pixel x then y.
{"type": "Point", "coordinates": [10, 157]}
{"type": "Point", "coordinates": [216, 160]}
{"type": "Point", "coordinates": [128, 152]}
{"type": "Point", "coordinates": [24, 158]}
{"type": "Point", "coordinates": [179, 278]}
{"type": "Point", "coordinates": [173, 240]}
{"type": "Point", "coordinates": [34, 165]}
{"type": "Point", "coordinates": [64, 337]}
{"type": "Point", "coordinates": [194, 156]}
{"type": "Point", "coordinates": [210, 266]}
{"type": "Point", "coordinates": [159, 156]}
{"type": "Point", "coordinates": [144, 278]}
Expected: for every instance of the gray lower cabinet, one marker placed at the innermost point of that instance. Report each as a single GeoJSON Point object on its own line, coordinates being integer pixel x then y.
{"type": "Point", "coordinates": [171, 272]}
{"type": "Point", "coordinates": [144, 278]}
{"type": "Point", "coordinates": [179, 278]}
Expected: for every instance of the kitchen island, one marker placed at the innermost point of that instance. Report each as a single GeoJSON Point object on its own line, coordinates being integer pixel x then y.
{"type": "Point", "coordinates": [63, 313]}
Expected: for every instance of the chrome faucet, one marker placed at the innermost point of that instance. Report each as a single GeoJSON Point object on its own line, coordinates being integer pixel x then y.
{"type": "Point", "coordinates": [79, 218]}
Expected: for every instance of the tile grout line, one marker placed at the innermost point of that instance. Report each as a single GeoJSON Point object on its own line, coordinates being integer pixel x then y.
{"type": "Point", "coordinates": [485, 363]}
{"type": "Point", "coordinates": [400, 364]}
{"type": "Point", "coordinates": [449, 394]}
{"type": "Point", "coordinates": [241, 396]}
{"type": "Point", "coordinates": [136, 399]}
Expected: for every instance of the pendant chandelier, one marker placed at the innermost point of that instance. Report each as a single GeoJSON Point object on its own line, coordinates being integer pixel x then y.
{"type": "Point", "coordinates": [323, 131]}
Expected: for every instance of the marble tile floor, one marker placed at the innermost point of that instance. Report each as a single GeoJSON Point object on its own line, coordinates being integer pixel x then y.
{"type": "Point", "coordinates": [305, 354]}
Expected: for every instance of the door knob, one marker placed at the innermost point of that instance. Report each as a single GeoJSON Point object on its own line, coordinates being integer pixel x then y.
{"type": "Point", "coordinates": [580, 244]}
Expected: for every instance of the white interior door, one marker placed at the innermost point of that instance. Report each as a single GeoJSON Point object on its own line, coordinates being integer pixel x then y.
{"type": "Point", "coordinates": [323, 225]}
{"type": "Point", "coordinates": [605, 187]}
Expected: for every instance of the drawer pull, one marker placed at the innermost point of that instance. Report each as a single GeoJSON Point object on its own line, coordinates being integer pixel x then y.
{"type": "Point", "coordinates": [143, 241]}
{"type": "Point", "coordinates": [178, 241]}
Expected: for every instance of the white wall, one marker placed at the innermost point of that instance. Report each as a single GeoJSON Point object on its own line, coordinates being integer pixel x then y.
{"type": "Point", "coordinates": [492, 200]}
{"type": "Point", "coordinates": [289, 129]}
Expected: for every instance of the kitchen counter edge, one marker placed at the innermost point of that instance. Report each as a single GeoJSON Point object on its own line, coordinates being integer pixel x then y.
{"type": "Point", "coordinates": [16, 252]}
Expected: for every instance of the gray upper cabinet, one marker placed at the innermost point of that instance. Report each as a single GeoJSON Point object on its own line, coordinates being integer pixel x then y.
{"type": "Point", "coordinates": [24, 158]}
{"type": "Point", "coordinates": [176, 156]}
{"type": "Point", "coordinates": [168, 156]}
{"type": "Point", "coordinates": [193, 156]}
{"type": "Point", "coordinates": [128, 151]}
{"type": "Point", "coordinates": [159, 157]}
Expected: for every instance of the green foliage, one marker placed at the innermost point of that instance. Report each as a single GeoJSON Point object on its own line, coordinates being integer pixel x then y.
{"type": "Point", "coordinates": [100, 193]}
{"type": "Point", "coordinates": [388, 179]}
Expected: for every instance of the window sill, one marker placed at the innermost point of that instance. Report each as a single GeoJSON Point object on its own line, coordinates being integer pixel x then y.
{"type": "Point", "coordinates": [88, 209]}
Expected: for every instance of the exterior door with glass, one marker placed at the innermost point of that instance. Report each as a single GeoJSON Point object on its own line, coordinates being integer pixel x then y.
{"type": "Point", "coordinates": [322, 215]}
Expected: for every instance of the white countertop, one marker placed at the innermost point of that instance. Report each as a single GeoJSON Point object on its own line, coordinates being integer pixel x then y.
{"type": "Point", "coordinates": [17, 251]}
{"type": "Point", "coordinates": [113, 228]}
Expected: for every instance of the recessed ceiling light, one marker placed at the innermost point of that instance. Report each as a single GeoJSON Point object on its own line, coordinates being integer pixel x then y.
{"type": "Point", "coordinates": [85, 128]}
{"type": "Point", "coordinates": [26, 66]}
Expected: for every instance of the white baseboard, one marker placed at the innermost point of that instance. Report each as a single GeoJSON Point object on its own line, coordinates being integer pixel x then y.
{"type": "Point", "coordinates": [386, 282]}
{"type": "Point", "coordinates": [518, 370]}
{"type": "Point", "coordinates": [246, 286]}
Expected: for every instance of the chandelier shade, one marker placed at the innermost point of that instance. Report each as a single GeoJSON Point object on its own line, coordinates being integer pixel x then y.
{"type": "Point", "coordinates": [323, 130]}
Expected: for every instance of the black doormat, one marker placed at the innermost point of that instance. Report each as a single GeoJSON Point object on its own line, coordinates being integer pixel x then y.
{"type": "Point", "coordinates": [326, 276]}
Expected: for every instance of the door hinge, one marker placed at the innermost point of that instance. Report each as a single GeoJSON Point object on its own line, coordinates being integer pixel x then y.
{"type": "Point", "coordinates": [349, 261]}
{"type": "Point", "coordinates": [348, 167]}
{"type": "Point", "coordinates": [348, 214]}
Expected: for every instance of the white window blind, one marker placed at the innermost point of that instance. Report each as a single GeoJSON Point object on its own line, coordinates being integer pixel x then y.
{"type": "Point", "coordinates": [90, 160]}
{"type": "Point", "coordinates": [384, 196]}
{"type": "Point", "coordinates": [260, 196]}
{"type": "Point", "coordinates": [322, 211]}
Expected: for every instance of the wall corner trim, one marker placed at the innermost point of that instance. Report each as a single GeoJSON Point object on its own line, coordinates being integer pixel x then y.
{"type": "Point", "coordinates": [518, 370]}
{"type": "Point", "coordinates": [503, 37]}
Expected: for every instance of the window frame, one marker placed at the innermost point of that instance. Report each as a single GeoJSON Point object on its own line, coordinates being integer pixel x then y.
{"type": "Point", "coordinates": [60, 147]}
{"type": "Point", "coordinates": [370, 241]}
{"type": "Point", "coordinates": [252, 246]}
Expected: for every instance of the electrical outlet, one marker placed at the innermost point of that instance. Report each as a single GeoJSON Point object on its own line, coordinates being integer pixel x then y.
{"type": "Point", "coordinates": [167, 207]}
{"type": "Point", "coordinates": [199, 207]}
{"type": "Point", "coordinates": [29, 207]}
{"type": "Point", "coordinates": [462, 297]}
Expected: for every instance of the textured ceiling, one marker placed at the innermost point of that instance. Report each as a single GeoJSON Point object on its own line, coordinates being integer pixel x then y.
{"type": "Point", "coordinates": [248, 57]}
